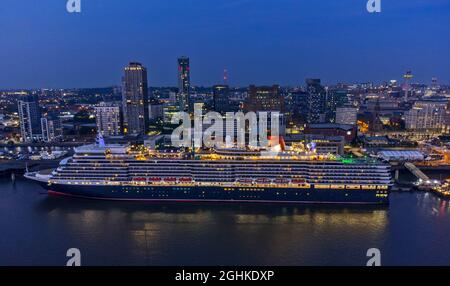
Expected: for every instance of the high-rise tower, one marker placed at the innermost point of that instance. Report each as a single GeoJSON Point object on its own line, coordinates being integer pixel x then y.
{"type": "Point", "coordinates": [407, 76]}
{"type": "Point", "coordinates": [30, 118]}
{"type": "Point", "coordinates": [316, 101]}
{"type": "Point", "coordinates": [184, 83]}
{"type": "Point", "coordinates": [135, 99]}
{"type": "Point", "coordinates": [221, 98]}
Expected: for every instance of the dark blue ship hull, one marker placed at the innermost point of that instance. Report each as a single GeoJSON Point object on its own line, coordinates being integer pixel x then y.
{"type": "Point", "coordinates": [222, 194]}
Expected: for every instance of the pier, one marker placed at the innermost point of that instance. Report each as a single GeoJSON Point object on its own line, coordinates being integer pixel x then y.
{"type": "Point", "coordinates": [18, 167]}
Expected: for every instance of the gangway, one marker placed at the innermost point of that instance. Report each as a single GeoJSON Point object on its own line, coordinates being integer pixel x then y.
{"type": "Point", "coordinates": [416, 172]}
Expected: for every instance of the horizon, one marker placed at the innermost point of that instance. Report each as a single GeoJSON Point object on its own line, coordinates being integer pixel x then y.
{"type": "Point", "coordinates": [399, 84]}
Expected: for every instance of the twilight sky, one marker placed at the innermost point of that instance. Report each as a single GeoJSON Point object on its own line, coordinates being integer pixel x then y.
{"type": "Point", "coordinates": [258, 41]}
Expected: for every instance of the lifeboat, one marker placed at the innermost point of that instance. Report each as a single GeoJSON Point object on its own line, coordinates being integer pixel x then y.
{"type": "Point", "coordinates": [186, 180]}
{"type": "Point", "coordinates": [298, 181]}
{"type": "Point", "coordinates": [245, 181]}
{"type": "Point", "coordinates": [170, 179]}
{"type": "Point", "coordinates": [263, 181]}
{"type": "Point", "coordinates": [139, 179]}
{"type": "Point", "coordinates": [281, 181]}
{"type": "Point", "coordinates": [155, 179]}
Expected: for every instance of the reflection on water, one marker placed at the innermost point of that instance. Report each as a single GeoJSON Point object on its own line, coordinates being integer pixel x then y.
{"type": "Point", "coordinates": [124, 233]}
{"type": "Point", "coordinates": [269, 229]}
{"type": "Point", "coordinates": [90, 213]}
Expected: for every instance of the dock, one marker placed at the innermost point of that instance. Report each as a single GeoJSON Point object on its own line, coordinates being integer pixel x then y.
{"type": "Point", "coordinates": [18, 167]}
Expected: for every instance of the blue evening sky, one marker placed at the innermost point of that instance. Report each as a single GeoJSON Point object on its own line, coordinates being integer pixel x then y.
{"type": "Point", "coordinates": [258, 41]}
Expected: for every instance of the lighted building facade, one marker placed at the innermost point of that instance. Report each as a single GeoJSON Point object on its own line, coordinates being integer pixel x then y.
{"type": "Point", "coordinates": [30, 118]}
{"type": "Point", "coordinates": [265, 98]}
{"type": "Point", "coordinates": [346, 115]}
{"type": "Point", "coordinates": [316, 101]}
{"type": "Point", "coordinates": [135, 99]}
{"type": "Point", "coordinates": [335, 98]}
{"type": "Point", "coordinates": [221, 98]}
{"type": "Point", "coordinates": [51, 128]}
{"type": "Point", "coordinates": [427, 115]}
{"type": "Point", "coordinates": [184, 83]}
{"type": "Point", "coordinates": [108, 119]}
{"type": "Point", "coordinates": [155, 111]}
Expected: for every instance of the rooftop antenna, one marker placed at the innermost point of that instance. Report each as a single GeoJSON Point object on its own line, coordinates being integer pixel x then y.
{"type": "Point", "coordinates": [225, 76]}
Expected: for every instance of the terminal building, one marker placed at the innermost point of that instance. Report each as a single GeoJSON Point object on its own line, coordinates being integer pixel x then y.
{"type": "Point", "coordinates": [401, 156]}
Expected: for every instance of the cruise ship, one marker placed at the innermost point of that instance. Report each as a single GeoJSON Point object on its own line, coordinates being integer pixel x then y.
{"type": "Point", "coordinates": [125, 172]}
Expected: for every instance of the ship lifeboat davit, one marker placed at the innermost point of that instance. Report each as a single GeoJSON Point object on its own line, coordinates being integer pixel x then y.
{"type": "Point", "coordinates": [170, 179]}
{"type": "Point", "coordinates": [155, 179]}
{"type": "Point", "coordinates": [186, 180]}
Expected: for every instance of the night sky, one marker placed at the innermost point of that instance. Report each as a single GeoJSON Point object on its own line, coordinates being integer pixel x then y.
{"type": "Point", "coordinates": [258, 41]}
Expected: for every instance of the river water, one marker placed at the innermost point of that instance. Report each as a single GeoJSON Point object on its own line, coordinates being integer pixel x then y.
{"type": "Point", "coordinates": [37, 230]}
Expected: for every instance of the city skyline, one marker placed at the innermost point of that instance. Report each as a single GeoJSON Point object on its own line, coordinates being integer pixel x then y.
{"type": "Point", "coordinates": [281, 43]}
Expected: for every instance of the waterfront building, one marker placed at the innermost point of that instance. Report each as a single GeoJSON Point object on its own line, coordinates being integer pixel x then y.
{"type": "Point", "coordinates": [51, 128]}
{"type": "Point", "coordinates": [135, 99]}
{"type": "Point", "coordinates": [30, 118]}
{"type": "Point", "coordinates": [401, 155]}
{"type": "Point", "coordinates": [427, 116]}
{"type": "Point", "coordinates": [108, 119]}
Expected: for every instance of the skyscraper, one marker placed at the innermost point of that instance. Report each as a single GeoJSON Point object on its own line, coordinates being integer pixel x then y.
{"type": "Point", "coordinates": [30, 118]}
{"type": "Point", "coordinates": [268, 99]}
{"type": "Point", "coordinates": [135, 99]}
{"type": "Point", "coordinates": [334, 98]}
{"type": "Point", "coordinates": [184, 83]}
{"type": "Point", "coordinates": [316, 101]}
{"type": "Point", "coordinates": [297, 106]}
{"type": "Point", "coordinates": [221, 101]}
{"type": "Point", "coordinates": [265, 98]}
{"type": "Point", "coordinates": [108, 119]}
